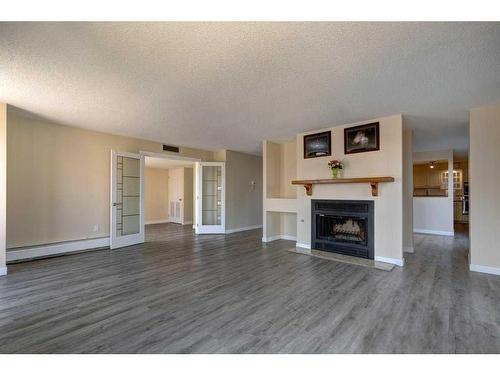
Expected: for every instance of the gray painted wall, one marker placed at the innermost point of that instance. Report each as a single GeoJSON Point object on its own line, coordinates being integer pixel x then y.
{"type": "Point", "coordinates": [243, 200]}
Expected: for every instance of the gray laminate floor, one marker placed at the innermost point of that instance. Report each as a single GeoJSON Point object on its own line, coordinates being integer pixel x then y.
{"type": "Point", "coordinates": [181, 293]}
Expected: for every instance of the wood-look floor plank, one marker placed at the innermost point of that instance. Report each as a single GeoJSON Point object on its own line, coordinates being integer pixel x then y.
{"type": "Point", "coordinates": [182, 293]}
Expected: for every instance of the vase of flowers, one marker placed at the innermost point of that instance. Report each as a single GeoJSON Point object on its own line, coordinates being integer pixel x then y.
{"type": "Point", "coordinates": [335, 166]}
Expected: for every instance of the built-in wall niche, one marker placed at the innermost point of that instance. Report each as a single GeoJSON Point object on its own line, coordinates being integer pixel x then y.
{"type": "Point", "coordinates": [430, 178]}
{"type": "Point", "coordinates": [280, 225]}
{"type": "Point", "coordinates": [280, 169]}
{"type": "Point", "coordinates": [280, 196]}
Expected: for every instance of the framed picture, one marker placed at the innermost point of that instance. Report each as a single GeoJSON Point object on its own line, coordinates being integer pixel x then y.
{"type": "Point", "coordinates": [362, 138]}
{"type": "Point", "coordinates": [317, 145]}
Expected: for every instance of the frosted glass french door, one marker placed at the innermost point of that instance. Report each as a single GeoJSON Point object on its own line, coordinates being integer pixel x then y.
{"type": "Point", "coordinates": [127, 190]}
{"type": "Point", "coordinates": [210, 197]}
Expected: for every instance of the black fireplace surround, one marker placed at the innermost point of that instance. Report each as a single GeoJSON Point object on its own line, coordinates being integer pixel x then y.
{"type": "Point", "coordinates": [343, 226]}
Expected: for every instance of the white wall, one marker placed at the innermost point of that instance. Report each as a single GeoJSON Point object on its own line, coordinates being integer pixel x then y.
{"type": "Point", "coordinates": [3, 187]}
{"type": "Point", "coordinates": [484, 182]}
{"type": "Point", "coordinates": [388, 161]}
{"type": "Point", "coordinates": [434, 214]}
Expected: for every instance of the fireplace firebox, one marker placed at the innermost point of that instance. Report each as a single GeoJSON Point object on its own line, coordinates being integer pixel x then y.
{"type": "Point", "coordinates": [343, 226]}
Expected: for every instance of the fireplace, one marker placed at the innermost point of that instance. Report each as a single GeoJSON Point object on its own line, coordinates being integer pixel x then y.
{"type": "Point", "coordinates": [343, 226]}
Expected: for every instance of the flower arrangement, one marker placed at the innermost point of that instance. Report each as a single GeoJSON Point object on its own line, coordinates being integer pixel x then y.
{"type": "Point", "coordinates": [335, 166]}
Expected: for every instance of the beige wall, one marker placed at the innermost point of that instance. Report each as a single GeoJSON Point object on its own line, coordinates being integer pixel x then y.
{"type": "Point", "coordinates": [484, 180]}
{"type": "Point", "coordinates": [3, 186]}
{"type": "Point", "coordinates": [272, 169]}
{"type": "Point", "coordinates": [188, 195]}
{"type": "Point", "coordinates": [288, 169]}
{"type": "Point", "coordinates": [408, 190]}
{"type": "Point", "coordinates": [243, 200]}
{"type": "Point", "coordinates": [388, 161]}
{"type": "Point", "coordinates": [434, 214]}
{"type": "Point", "coordinates": [155, 195]}
{"type": "Point", "coordinates": [288, 225]}
{"type": "Point", "coordinates": [58, 179]}
{"type": "Point", "coordinates": [281, 168]}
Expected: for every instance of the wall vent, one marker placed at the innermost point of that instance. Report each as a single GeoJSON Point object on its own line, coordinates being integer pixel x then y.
{"type": "Point", "coordinates": [170, 148]}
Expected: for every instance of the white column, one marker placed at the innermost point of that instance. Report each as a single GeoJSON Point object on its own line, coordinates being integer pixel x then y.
{"type": "Point", "coordinates": [484, 182]}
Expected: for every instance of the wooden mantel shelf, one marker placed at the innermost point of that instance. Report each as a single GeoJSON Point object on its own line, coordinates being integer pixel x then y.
{"type": "Point", "coordinates": [373, 181]}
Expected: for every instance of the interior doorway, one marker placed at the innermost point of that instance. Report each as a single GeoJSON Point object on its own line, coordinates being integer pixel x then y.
{"type": "Point", "coordinates": [164, 189]}
{"type": "Point", "coordinates": [434, 184]}
{"type": "Point", "coordinates": [169, 186]}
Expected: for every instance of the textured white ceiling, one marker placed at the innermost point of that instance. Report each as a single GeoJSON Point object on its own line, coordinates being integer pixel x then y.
{"type": "Point", "coordinates": [231, 85]}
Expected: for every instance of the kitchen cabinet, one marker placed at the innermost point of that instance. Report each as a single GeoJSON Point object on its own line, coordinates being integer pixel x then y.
{"type": "Point", "coordinates": [457, 213]}
{"type": "Point", "coordinates": [428, 182]}
{"type": "Point", "coordinates": [434, 178]}
{"type": "Point", "coordinates": [457, 179]}
{"type": "Point", "coordinates": [419, 177]}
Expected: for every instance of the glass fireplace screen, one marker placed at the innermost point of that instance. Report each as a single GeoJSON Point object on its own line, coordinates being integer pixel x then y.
{"type": "Point", "coordinates": [348, 229]}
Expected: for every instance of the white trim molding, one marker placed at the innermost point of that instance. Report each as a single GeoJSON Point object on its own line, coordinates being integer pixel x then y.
{"type": "Point", "coordinates": [397, 262]}
{"type": "Point", "coordinates": [303, 245]}
{"type": "Point", "coordinates": [22, 253]}
{"type": "Point", "coordinates": [243, 229]}
{"type": "Point", "coordinates": [437, 232]}
{"type": "Point", "coordinates": [149, 222]}
{"type": "Point", "coordinates": [408, 249]}
{"type": "Point", "coordinates": [484, 269]}
{"type": "Point", "coordinates": [3, 271]}
{"type": "Point", "coordinates": [167, 155]}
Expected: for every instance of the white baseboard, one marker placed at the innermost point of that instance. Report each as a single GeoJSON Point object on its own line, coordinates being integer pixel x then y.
{"type": "Point", "coordinates": [3, 271]}
{"type": "Point", "coordinates": [397, 262]}
{"type": "Point", "coordinates": [243, 229]}
{"type": "Point", "coordinates": [56, 248]}
{"type": "Point", "coordinates": [303, 245]}
{"type": "Point", "coordinates": [484, 269]}
{"type": "Point", "coordinates": [437, 232]}
{"type": "Point", "coordinates": [157, 221]}
{"type": "Point", "coordinates": [408, 249]}
{"type": "Point", "coordinates": [188, 223]}
{"type": "Point", "coordinates": [271, 238]}
{"type": "Point", "coordinates": [279, 237]}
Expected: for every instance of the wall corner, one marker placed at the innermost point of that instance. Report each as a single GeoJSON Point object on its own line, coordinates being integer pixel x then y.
{"type": "Point", "coordinates": [3, 188]}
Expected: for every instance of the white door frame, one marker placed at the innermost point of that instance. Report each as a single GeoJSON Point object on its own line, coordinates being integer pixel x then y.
{"type": "Point", "coordinates": [131, 239]}
{"type": "Point", "coordinates": [199, 227]}
{"type": "Point", "coordinates": [174, 157]}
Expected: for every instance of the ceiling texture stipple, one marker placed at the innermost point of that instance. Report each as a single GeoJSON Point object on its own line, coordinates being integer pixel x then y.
{"type": "Point", "coordinates": [231, 85]}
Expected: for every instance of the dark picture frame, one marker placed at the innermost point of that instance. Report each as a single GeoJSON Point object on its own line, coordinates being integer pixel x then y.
{"type": "Point", "coordinates": [362, 138]}
{"type": "Point", "coordinates": [318, 145]}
